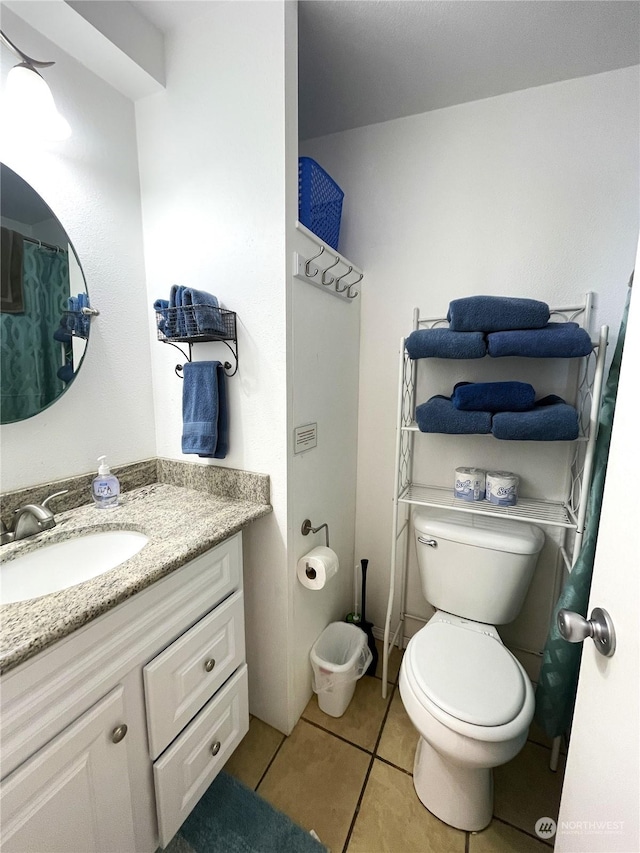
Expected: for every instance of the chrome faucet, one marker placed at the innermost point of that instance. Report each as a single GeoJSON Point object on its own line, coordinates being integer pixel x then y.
{"type": "Point", "coordinates": [31, 519]}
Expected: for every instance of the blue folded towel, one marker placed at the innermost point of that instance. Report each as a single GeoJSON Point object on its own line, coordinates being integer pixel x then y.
{"type": "Point", "coordinates": [174, 324]}
{"type": "Point", "coordinates": [495, 313]}
{"type": "Point", "coordinates": [551, 420]}
{"type": "Point", "coordinates": [440, 415]}
{"type": "Point", "coordinates": [201, 312]}
{"type": "Point", "coordinates": [444, 343]}
{"type": "Point", "coordinates": [204, 409]}
{"type": "Point", "coordinates": [160, 306]}
{"type": "Point", "coordinates": [555, 340]}
{"type": "Point", "coordinates": [77, 322]}
{"type": "Point", "coordinates": [494, 396]}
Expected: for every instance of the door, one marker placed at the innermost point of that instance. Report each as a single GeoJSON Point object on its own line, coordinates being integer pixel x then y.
{"type": "Point", "coordinates": [599, 812]}
{"type": "Point", "coordinates": [73, 795]}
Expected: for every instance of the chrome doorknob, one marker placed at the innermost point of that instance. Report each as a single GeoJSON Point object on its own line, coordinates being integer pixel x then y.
{"type": "Point", "coordinates": [599, 627]}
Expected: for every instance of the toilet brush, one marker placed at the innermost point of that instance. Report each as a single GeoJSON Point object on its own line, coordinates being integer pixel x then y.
{"type": "Point", "coordinates": [354, 616]}
{"type": "Point", "coordinates": [367, 627]}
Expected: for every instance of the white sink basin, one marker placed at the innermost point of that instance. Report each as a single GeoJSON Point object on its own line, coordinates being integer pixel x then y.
{"type": "Point", "coordinates": [64, 564]}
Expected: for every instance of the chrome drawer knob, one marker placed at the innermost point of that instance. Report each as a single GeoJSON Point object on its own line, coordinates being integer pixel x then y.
{"type": "Point", "coordinates": [119, 733]}
{"type": "Point", "coordinates": [209, 664]}
{"type": "Point", "coordinates": [215, 747]}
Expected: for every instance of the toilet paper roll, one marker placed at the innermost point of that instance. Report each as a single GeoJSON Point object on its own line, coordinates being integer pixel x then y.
{"type": "Point", "coordinates": [502, 488]}
{"type": "Point", "coordinates": [317, 567]}
{"type": "Point", "coordinates": [469, 484]}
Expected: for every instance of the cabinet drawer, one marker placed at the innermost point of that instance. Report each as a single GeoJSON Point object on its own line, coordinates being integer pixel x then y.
{"type": "Point", "coordinates": [190, 765]}
{"type": "Point", "coordinates": [183, 677]}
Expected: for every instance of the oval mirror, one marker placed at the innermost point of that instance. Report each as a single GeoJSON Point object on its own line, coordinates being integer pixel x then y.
{"type": "Point", "coordinates": [43, 329]}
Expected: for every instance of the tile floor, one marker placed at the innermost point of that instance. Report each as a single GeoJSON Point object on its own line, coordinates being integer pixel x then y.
{"type": "Point", "coordinates": [349, 779]}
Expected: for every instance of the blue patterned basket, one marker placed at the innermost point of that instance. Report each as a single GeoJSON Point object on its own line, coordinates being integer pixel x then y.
{"type": "Point", "coordinates": [319, 201]}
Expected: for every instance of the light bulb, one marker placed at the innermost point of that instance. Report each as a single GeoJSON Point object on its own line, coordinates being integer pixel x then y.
{"type": "Point", "coordinates": [31, 106]}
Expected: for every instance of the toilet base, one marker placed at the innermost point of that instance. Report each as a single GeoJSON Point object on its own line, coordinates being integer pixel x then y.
{"type": "Point", "coordinates": [459, 796]}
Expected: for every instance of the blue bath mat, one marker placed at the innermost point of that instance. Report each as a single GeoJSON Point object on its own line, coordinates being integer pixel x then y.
{"type": "Point", "coordinates": [231, 818]}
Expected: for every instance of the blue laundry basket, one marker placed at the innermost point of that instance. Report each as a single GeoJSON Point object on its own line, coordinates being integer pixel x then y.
{"type": "Point", "coordinates": [319, 201]}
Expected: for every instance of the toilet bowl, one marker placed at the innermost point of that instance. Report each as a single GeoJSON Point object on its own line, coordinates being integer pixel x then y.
{"type": "Point", "coordinates": [472, 703]}
{"type": "Point", "coordinates": [466, 694]}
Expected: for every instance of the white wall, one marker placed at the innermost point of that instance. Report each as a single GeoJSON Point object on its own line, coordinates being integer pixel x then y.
{"type": "Point", "coordinates": [91, 182]}
{"type": "Point", "coordinates": [325, 357]}
{"type": "Point", "coordinates": [212, 166]}
{"type": "Point", "coordinates": [532, 193]}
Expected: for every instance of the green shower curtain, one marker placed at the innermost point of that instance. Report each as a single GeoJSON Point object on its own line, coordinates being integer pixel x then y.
{"type": "Point", "coordinates": [558, 682]}
{"type": "Point", "coordinates": [30, 358]}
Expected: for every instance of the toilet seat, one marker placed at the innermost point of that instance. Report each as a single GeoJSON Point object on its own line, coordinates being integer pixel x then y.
{"type": "Point", "coordinates": [466, 673]}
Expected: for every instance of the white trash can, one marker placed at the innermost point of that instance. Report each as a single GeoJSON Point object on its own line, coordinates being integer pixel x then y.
{"type": "Point", "coordinates": [339, 657]}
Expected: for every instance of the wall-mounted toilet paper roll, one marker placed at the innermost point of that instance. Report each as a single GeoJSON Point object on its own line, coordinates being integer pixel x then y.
{"type": "Point", "coordinates": [317, 567]}
{"type": "Point", "coordinates": [502, 488]}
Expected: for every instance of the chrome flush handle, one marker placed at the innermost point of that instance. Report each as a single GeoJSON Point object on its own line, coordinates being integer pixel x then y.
{"type": "Point", "coordinates": [430, 542]}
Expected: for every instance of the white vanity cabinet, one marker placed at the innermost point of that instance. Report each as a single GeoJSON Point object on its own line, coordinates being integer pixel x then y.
{"type": "Point", "coordinates": [110, 737]}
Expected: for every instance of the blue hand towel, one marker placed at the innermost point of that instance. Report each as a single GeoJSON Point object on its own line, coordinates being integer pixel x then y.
{"type": "Point", "coordinates": [62, 334]}
{"type": "Point", "coordinates": [493, 396]}
{"type": "Point", "coordinates": [494, 313]}
{"type": "Point", "coordinates": [444, 343]}
{"type": "Point", "coordinates": [204, 410]}
{"type": "Point", "coordinates": [65, 373]}
{"type": "Point", "coordinates": [551, 420]}
{"type": "Point", "coordinates": [440, 415]}
{"type": "Point", "coordinates": [555, 340]}
{"type": "Point", "coordinates": [202, 315]}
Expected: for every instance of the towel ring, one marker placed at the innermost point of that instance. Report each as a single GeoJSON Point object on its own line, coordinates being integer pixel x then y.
{"type": "Point", "coordinates": [338, 280]}
{"type": "Point", "coordinates": [307, 268]}
{"type": "Point", "coordinates": [331, 279]}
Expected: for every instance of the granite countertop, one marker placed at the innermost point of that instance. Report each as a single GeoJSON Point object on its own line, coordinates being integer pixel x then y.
{"type": "Point", "coordinates": [181, 524]}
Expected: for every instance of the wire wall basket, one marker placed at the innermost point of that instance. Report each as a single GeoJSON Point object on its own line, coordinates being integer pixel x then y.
{"type": "Point", "coordinates": [196, 323]}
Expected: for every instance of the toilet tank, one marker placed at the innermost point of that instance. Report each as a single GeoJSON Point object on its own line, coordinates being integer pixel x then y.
{"type": "Point", "coordinates": [478, 567]}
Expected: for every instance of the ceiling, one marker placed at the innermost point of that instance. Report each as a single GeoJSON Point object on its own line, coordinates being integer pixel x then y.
{"type": "Point", "coordinates": [366, 61]}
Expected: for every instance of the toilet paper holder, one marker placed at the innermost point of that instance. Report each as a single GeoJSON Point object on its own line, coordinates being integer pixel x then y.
{"type": "Point", "coordinates": [307, 529]}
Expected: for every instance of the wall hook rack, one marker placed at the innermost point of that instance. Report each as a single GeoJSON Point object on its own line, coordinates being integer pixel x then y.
{"type": "Point", "coordinates": [327, 269]}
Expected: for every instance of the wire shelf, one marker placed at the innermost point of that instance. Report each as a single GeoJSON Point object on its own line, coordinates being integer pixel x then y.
{"type": "Point", "coordinates": [196, 324]}
{"type": "Point", "coordinates": [527, 509]}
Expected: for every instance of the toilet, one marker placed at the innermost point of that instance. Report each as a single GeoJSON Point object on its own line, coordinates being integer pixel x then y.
{"type": "Point", "coordinates": [466, 694]}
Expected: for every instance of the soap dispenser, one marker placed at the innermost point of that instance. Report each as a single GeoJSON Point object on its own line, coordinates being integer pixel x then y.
{"type": "Point", "coordinates": [105, 487]}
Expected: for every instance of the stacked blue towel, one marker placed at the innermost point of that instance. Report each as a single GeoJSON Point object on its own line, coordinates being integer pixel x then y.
{"type": "Point", "coordinates": [494, 396]}
{"type": "Point", "coordinates": [189, 312]}
{"type": "Point", "coordinates": [555, 340]}
{"type": "Point", "coordinates": [204, 409]}
{"type": "Point", "coordinates": [440, 415]}
{"type": "Point", "coordinates": [551, 420]}
{"type": "Point", "coordinates": [445, 343]}
{"type": "Point", "coordinates": [201, 310]}
{"type": "Point", "coordinates": [495, 313]}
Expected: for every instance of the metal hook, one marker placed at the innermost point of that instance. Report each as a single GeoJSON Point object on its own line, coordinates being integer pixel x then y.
{"type": "Point", "coordinates": [325, 271]}
{"type": "Point", "coordinates": [339, 279]}
{"type": "Point", "coordinates": [353, 284]}
{"type": "Point", "coordinates": [307, 268]}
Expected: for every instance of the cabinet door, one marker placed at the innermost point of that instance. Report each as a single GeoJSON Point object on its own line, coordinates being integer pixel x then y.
{"type": "Point", "coordinates": [73, 796]}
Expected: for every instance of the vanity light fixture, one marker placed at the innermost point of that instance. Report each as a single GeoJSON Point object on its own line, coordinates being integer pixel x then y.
{"type": "Point", "coordinates": [28, 98]}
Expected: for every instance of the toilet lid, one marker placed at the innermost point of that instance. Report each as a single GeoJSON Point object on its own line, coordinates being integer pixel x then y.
{"type": "Point", "coordinates": [467, 674]}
